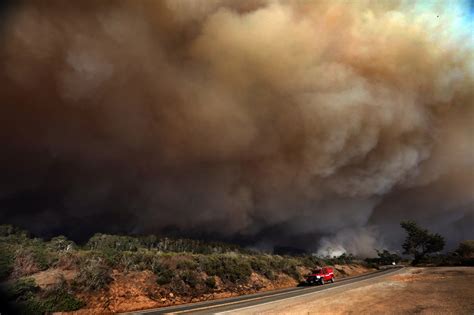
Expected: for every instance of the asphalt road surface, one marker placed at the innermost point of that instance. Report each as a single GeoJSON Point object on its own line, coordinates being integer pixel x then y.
{"type": "Point", "coordinates": [235, 304]}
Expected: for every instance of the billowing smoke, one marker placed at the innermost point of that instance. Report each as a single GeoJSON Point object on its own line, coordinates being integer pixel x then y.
{"type": "Point", "coordinates": [313, 124]}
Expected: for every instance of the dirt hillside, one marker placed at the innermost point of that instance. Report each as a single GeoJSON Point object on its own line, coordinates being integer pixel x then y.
{"type": "Point", "coordinates": [138, 290]}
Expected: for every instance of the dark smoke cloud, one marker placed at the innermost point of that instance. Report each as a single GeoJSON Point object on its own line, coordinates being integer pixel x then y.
{"type": "Point", "coordinates": [312, 124]}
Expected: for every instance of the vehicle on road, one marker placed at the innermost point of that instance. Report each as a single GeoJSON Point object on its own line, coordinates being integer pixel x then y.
{"type": "Point", "coordinates": [321, 276]}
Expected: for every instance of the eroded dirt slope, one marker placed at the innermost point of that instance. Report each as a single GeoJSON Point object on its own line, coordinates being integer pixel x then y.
{"type": "Point", "coordinates": [138, 290]}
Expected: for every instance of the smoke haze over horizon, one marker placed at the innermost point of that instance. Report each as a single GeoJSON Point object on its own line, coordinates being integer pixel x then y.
{"type": "Point", "coordinates": [318, 125]}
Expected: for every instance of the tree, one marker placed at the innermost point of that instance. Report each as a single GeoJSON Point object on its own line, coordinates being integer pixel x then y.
{"type": "Point", "coordinates": [387, 258]}
{"type": "Point", "coordinates": [466, 249]}
{"type": "Point", "coordinates": [420, 242]}
{"type": "Point", "coordinates": [60, 243]}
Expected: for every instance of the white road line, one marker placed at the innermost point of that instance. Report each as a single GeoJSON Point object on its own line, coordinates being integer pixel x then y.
{"type": "Point", "coordinates": [302, 295]}
{"type": "Point", "coordinates": [235, 302]}
{"type": "Point", "coordinates": [216, 305]}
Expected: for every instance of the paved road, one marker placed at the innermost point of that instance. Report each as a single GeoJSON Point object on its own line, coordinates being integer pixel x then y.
{"type": "Point", "coordinates": [246, 301]}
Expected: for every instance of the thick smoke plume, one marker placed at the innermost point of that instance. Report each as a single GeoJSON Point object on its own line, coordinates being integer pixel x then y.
{"type": "Point", "coordinates": [314, 124]}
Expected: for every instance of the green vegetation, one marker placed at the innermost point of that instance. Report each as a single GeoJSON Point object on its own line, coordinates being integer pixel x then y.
{"type": "Point", "coordinates": [180, 266]}
{"type": "Point", "coordinates": [466, 249]}
{"type": "Point", "coordinates": [262, 265]}
{"type": "Point", "coordinates": [59, 298]}
{"type": "Point", "coordinates": [164, 274]}
{"type": "Point", "coordinates": [22, 288]}
{"type": "Point", "coordinates": [60, 243]}
{"type": "Point", "coordinates": [6, 261]}
{"type": "Point", "coordinates": [27, 298]}
{"type": "Point", "coordinates": [211, 282]}
{"type": "Point", "coordinates": [190, 277]}
{"type": "Point", "coordinates": [465, 253]}
{"type": "Point", "coordinates": [93, 275]}
{"type": "Point", "coordinates": [151, 242]}
{"type": "Point", "coordinates": [426, 248]}
{"type": "Point", "coordinates": [29, 255]}
{"type": "Point", "coordinates": [228, 267]}
{"type": "Point", "coordinates": [184, 267]}
{"type": "Point", "coordinates": [22, 295]}
{"type": "Point", "coordinates": [420, 242]}
{"type": "Point", "coordinates": [344, 259]}
{"type": "Point", "coordinates": [384, 258]}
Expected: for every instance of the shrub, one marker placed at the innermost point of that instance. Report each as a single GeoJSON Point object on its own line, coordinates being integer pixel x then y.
{"type": "Point", "coordinates": [22, 288]}
{"type": "Point", "coordinates": [33, 257]}
{"type": "Point", "coordinates": [387, 258]}
{"type": "Point", "coordinates": [27, 306]}
{"type": "Point", "coordinates": [41, 256]}
{"type": "Point", "coordinates": [210, 282]}
{"type": "Point", "coordinates": [344, 258]}
{"type": "Point", "coordinates": [286, 265]}
{"type": "Point", "coordinates": [93, 275]}
{"type": "Point", "coordinates": [228, 268]}
{"type": "Point", "coordinates": [21, 296]}
{"type": "Point", "coordinates": [292, 271]}
{"type": "Point", "coordinates": [164, 274]}
{"type": "Point", "coordinates": [149, 241]}
{"type": "Point", "coordinates": [23, 264]}
{"type": "Point", "coordinates": [59, 299]}
{"type": "Point", "coordinates": [61, 302]}
{"type": "Point", "coordinates": [130, 261]}
{"type": "Point", "coordinates": [466, 249]}
{"type": "Point", "coordinates": [384, 258]}
{"type": "Point", "coordinates": [190, 278]}
{"type": "Point", "coordinates": [327, 261]}
{"type": "Point", "coordinates": [113, 242]}
{"type": "Point", "coordinates": [311, 261]}
{"type": "Point", "coordinates": [6, 261]}
{"type": "Point", "coordinates": [13, 233]}
{"type": "Point", "coordinates": [68, 260]}
{"type": "Point", "coordinates": [139, 260]}
{"type": "Point", "coordinates": [262, 266]}
{"type": "Point", "coordinates": [60, 243]}
{"type": "Point", "coordinates": [178, 286]}
{"type": "Point", "coordinates": [25, 297]}
{"type": "Point", "coordinates": [6, 230]}
{"type": "Point", "coordinates": [187, 264]}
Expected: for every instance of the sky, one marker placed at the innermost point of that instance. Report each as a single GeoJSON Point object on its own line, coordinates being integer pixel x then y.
{"type": "Point", "coordinates": [312, 124]}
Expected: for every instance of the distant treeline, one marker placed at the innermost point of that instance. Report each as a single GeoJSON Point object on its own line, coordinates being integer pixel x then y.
{"type": "Point", "coordinates": [101, 241]}
{"type": "Point", "coordinates": [178, 245]}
